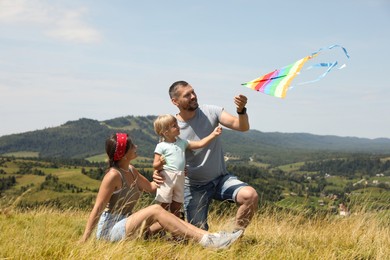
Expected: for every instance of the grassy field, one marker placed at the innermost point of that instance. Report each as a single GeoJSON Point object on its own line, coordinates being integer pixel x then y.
{"type": "Point", "coordinates": [291, 167]}
{"type": "Point", "coordinates": [23, 154]}
{"type": "Point", "coordinates": [293, 233]}
{"type": "Point", "coordinates": [53, 234]}
{"type": "Point", "coordinates": [97, 158]}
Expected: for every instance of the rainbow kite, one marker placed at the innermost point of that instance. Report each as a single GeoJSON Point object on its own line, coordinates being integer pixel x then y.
{"type": "Point", "coordinates": [277, 82]}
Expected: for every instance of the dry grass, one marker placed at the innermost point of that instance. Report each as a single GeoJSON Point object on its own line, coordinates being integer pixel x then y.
{"type": "Point", "coordinates": [51, 234]}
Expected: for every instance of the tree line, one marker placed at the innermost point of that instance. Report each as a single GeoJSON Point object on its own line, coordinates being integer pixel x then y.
{"type": "Point", "coordinates": [349, 168]}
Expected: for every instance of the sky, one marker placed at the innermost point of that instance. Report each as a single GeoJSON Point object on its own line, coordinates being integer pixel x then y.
{"type": "Point", "coordinates": [62, 60]}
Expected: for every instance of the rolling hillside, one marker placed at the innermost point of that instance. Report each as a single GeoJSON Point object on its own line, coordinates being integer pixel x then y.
{"type": "Point", "coordinates": [85, 137]}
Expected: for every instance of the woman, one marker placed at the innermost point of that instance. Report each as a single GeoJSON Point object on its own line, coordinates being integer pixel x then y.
{"type": "Point", "coordinates": [120, 190]}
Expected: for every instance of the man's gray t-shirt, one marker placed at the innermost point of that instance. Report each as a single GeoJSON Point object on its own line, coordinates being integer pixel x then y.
{"type": "Point", "coordinates": [204, 164]}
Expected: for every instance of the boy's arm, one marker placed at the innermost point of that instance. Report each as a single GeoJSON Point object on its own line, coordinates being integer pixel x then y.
{"type": "Point", "coordinates": [205, 141]}
{"type": "Point", "coordinates": [158, 161]}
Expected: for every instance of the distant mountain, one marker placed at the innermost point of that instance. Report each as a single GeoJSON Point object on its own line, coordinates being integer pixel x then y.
{"type": "Point", "coordinates": [281, 148]}
{"type": "Point", "coordinates": [86, 137]}
{"type": "Point", "coordinates": [81, 138]}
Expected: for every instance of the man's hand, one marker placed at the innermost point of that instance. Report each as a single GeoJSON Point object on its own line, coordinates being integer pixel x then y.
{"type": "Point", "coordinates": [240, 102]}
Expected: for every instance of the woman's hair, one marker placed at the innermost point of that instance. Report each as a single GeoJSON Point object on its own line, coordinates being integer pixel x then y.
{"type": "Point", "coordinates": [162, 124]}
{"type": "Point", "coordinates": [112, 148]}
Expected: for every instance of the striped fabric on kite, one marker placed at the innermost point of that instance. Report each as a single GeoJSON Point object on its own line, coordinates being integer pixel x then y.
{"type": "Point", "coordinates": [277, 82]}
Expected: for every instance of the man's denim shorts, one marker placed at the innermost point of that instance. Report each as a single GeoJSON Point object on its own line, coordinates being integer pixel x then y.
{"type": "Point", "coordinates": [197, 198]}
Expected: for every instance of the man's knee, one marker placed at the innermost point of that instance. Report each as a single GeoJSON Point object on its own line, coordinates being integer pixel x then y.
{"type": "Point", "coordinates": [247, 195]}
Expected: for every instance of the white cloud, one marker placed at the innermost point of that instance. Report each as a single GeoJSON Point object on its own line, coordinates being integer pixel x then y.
{"type": "Point", "coordinates": [71, 27]}
{"type": "Point", "coordinates": [58, 22]}
{"type": "Point", "coordinates": [24, 12]}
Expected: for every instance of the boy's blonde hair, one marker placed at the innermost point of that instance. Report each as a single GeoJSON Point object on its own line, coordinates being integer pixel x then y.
{"type": "Point", "coordinates": [162, 124]}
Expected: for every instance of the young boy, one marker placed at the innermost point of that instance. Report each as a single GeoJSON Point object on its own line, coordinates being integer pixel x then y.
{"type": "Point", "coordinates": [169, 158]}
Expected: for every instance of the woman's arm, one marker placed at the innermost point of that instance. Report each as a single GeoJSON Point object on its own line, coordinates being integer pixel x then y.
{"type": "Point", "coordinates": [110, 183]}
{"type": "Point", "coordinates": [143, 183]}
{"type": "Point", "coordinates": [158, 178]}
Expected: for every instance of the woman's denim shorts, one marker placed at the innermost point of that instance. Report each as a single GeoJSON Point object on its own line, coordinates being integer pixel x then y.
{"type": "Point", "coordinates": [111, 227]}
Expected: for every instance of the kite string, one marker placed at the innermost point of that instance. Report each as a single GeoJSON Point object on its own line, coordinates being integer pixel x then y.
{"type": "Point", "coordinates": [329, 65]}
{"type": "Point", "coordinates": [331, 47]}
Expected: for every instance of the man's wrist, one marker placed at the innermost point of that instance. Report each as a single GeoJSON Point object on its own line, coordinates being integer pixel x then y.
{"type": "Point", "coordinates": [242, 112]}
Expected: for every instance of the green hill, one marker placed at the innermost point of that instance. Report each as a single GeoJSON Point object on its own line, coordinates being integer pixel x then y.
{"type": "Point", "coordinates": [85, 138]}
{"type": "Point", "coordinates": [81, 138]}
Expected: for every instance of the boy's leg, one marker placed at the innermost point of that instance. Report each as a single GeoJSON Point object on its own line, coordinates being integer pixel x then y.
{"type": "Point", "coordinates": [178, 195]}
{"type": "Point", "coordinates": [175, 208]}
{"type": "Point", "coordinates": [166, 206]}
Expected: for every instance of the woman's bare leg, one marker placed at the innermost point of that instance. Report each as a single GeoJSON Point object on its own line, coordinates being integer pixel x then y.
{"type": "Point", "coordinates": [174, 208]}
{"type": "Point", "coordinates": [168, 221]}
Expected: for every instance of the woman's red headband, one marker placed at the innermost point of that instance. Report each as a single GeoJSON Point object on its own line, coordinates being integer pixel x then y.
{"type": "Point", "coordinates": [121, 141]}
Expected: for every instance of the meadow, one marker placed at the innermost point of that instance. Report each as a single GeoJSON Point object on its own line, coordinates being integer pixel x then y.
{"type": "Point", "coordinates": [44, 218]}
{"type": "Point", "coordinates": [46, 233]}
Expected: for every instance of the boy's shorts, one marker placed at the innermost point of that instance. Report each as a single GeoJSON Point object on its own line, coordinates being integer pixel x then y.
{"type": "Point", "coordinates": [173, 187]}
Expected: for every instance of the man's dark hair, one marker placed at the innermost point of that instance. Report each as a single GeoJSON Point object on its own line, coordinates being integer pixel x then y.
{"type": "Point", "coordinates": [174, 86]}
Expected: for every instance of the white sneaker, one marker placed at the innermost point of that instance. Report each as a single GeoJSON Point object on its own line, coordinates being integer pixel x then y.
{"type": "Point", "coordinates": [220, 240]}
{"type": "Point", "coordinates": [223, 232]}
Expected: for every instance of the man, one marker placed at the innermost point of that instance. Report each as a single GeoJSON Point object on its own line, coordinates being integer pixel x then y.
{"type": "Point", "coordinates": [207, 177]}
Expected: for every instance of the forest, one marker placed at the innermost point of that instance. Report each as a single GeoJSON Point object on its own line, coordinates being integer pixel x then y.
{"type": "Point", "coordinates": [62, 166]}
{"type": "Point", "coordinates": [318, 185]}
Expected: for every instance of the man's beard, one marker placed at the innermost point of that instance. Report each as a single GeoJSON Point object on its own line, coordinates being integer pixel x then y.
{"type": "Point", "coordinates": [193, 107]}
